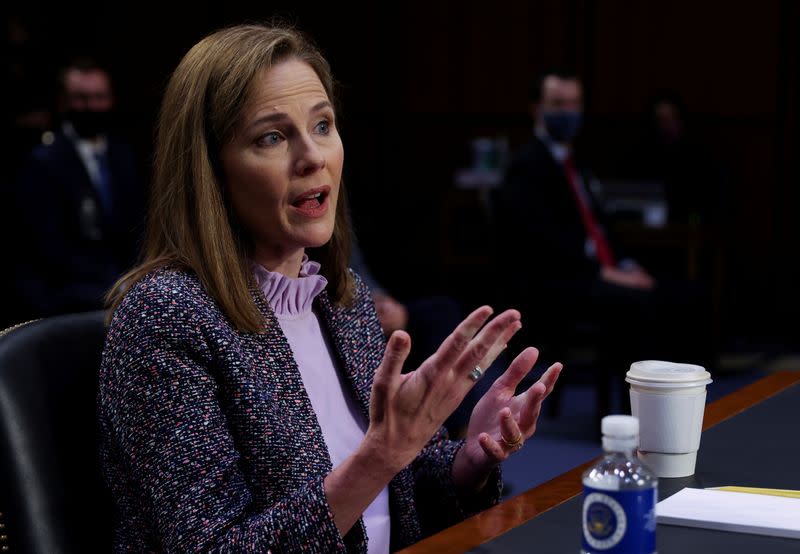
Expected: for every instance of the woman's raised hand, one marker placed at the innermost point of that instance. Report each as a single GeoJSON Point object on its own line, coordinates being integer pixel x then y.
{"type": "Point", "coordinates": [501, 422]}
{"type": "Point", "coordinates": [407, 409]}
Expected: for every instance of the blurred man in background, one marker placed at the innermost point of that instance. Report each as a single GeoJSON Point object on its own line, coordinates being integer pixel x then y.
{"type": "Point", "coordinates": [78, 203]}
{"type": "Point", "coordinates": [558, 260]}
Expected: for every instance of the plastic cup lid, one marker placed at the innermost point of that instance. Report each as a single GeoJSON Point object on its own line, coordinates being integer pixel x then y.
{"type": "Point", "coordinates": [657, 372]}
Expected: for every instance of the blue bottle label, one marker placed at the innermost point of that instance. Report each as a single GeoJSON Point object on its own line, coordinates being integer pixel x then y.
{"type": "Point", "coordinates": [619, 522]}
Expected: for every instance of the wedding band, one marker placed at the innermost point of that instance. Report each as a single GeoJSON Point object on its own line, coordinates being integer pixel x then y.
{"type": "Point", "coordinates": [476, 373]}
{"type": "Point", "coordinates": [517, 443]}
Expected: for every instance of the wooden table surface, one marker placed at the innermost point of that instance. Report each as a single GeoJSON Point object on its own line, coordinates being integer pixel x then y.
{"type": "Point", "coordinates": [515, 511]}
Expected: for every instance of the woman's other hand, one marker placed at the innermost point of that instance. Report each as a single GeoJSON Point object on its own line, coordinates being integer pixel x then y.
{"type": "Point", "coordinates": [501, 422]}
{"type": "Point", "coordinates": [407, 409]}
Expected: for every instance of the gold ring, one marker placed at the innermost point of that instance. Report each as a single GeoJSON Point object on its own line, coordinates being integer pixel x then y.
{"type": "Point", "coordinates": [517, 443]}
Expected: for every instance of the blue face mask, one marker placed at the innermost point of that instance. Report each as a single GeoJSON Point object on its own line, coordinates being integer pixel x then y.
{"type": "Point", "coordinates": [562, 126]}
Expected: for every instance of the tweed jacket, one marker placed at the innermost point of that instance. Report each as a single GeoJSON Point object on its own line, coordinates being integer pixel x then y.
{"type": "Point", "coordinates": [209, 441]}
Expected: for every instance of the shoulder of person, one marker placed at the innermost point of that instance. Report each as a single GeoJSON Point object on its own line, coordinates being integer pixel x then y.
{"type": "Point", "coordinates": [56, 148]}
{"type": "Point", "coordinates": [164, 325]}
{"type": "Point", "coordinates": [169, 282]}
{"type": "Point", "coordinates": [167, 294]}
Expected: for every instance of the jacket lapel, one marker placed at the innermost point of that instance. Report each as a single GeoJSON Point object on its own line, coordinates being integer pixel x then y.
{"type": "Point", "coordinates": [356, 337]}
{"type": "Point", "coordinates": [287, 382]}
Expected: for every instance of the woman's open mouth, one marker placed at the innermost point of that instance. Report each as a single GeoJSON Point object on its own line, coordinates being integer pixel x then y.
{"type": "Point", "coordinates": [312, 203]}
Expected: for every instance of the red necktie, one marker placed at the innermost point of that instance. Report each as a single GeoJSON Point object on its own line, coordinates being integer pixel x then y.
{"type": "Point", "coordinates": [603, 250]}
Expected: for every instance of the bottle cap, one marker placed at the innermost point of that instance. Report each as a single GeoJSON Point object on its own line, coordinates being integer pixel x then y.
{"type": "Point", "coordinates": [620, 426]}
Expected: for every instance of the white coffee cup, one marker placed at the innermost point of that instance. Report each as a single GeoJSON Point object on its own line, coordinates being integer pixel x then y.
{"type": "Point", "coordinates": [669, 400]}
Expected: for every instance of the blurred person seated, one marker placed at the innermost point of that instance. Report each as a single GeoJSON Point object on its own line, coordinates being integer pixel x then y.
{"type": "Point", "coordinates": [694, 186]}
{"type": "Point", "coordinates": [668, 153]}
{"type": "Point", "coordinates": [563, 267]}
{"type": "Point", "coordinates": [249, 400]}
{"type": "Point", "coordinates": [78, 204]}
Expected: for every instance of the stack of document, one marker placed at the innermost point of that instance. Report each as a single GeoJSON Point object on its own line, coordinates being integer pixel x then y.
{"type": "Point", "coordinates": [773, 512]}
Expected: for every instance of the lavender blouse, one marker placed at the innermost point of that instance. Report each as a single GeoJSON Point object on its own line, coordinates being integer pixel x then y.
{"type": "Point", "coordinates": [343, 425]}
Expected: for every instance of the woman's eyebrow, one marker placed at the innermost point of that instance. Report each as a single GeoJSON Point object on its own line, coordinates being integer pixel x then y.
{"type": "Point", "coordinates": [269, 118]}
{"type": "Point", "coordinates": [275, 117]}
{"type": "Point", "coordinates": [320, 106]}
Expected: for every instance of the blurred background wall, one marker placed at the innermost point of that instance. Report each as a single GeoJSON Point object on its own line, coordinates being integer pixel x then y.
{"type": "Point", "coordinates": [421, 80]}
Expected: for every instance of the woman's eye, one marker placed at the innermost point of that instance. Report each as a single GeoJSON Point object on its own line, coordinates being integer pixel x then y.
{"type": "Point", "coordinates": [324, 127]}
{"type": "Point", "coordinates": [269, 139]}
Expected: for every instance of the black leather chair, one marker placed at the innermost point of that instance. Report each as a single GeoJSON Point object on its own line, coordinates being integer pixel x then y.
{"type": "Point", "coordinates": [52, 495]}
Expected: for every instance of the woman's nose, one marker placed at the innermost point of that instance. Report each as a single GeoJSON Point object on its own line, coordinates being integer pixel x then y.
{"type": "Point", "coordinates": [310, 160]}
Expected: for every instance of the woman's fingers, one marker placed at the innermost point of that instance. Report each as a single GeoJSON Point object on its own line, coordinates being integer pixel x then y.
{"type": "Point", "coordinates": [492, 448]}
{"type": "Point", "coordinates": [469, 344]}
{"type": "Point", "coordinates": [490, 338]}
{"type": "Point", "coordinates": [531, 406]}
{"type": "Point", "coordinates": [510, 440]}
{"type": "Point", "coordinates": [394, 356]}
{"type": "Point", "coordinates": [549, 377]}
{"type": "Point", "coordinates": [452, 371]}
{"type": "Point", "coordinates": [533, 397]}
{"type": "Point", "coordinates": [459, 340]}
{"type": "Point", "coordinates": [500, 345]}
{"type": "Point", "coordinates": [397, 348]}
{"type": "Point", "coordinates": [518, 369]}
{"type": "Point", "coordinates": [511, 437]}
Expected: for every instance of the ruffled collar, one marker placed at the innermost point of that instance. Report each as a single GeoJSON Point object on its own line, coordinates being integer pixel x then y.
{"type": "Point", "coordinates": [289, 296]}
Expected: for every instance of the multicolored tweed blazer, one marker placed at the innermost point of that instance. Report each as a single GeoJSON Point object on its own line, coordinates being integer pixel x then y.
{"type": "Point", "coordinates": [209, 441]}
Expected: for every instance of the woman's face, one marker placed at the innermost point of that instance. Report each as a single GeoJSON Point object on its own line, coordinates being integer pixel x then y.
{"type": "Point", "coordinates": [283, 166]}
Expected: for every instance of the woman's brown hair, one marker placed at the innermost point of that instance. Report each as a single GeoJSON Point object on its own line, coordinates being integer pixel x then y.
{"type": "Point", "coordinates": [189, 222]}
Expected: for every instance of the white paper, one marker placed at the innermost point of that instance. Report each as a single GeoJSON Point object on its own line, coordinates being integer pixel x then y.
{"type": "Point", "coordinates": [732, 511]}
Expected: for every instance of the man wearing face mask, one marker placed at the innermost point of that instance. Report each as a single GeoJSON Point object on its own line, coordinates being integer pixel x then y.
{"type": "Point", "coordinates": [78, 202]}
{"type": "Point", "coordinates": [549, 163]}
{"type": "Point", "coordinates": [566, 268]}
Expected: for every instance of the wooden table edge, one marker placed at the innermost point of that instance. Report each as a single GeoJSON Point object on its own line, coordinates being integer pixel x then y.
{"type": "Point", "coordinates": [495, 521]}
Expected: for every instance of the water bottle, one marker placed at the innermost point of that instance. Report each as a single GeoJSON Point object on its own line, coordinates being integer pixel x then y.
{"type": "Point", "coordinates": [619, 494]}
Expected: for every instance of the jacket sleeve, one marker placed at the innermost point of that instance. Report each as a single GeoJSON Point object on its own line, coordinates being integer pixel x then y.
{"type": "Point", "coordinates": [439, 504]}
{"type": "Point", "coordinates": [528, 227]}
{"type": "Point", "coordinates": [158, 397]}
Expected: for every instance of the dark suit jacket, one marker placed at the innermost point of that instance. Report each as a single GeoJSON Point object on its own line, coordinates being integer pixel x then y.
{"type": "Point", "coordinates": [210, 442]}
{"type": "Point", "coordinates": [547, 274]}
{"type": "Point", "coordinates": [68, 251]}
{"type": "Point", "coordinates": [541, 239]}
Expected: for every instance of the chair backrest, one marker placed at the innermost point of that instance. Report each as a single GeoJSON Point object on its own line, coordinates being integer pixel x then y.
{"type": "Point", "coordinates": [51, 491]}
